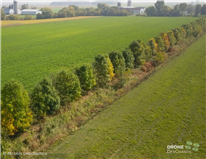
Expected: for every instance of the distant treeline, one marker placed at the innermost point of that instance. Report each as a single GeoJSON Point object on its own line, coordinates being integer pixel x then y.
{"type": "Point", "coordinates": [73, 11]}
{"type": "Point", "coordinates": [160, 9]}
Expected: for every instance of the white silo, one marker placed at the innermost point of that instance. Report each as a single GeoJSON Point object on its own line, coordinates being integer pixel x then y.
{"type": "Point", "coordinates": [15, 7]}
{"type": "Point", "coordinates": [129, 2]}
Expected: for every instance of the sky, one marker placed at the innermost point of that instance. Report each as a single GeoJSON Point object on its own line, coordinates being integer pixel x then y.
{"type": "Point", "coordinates": [102, 1]}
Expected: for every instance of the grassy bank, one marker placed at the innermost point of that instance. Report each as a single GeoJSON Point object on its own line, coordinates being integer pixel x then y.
{"type": "Point", "coordinates": [167, 109]}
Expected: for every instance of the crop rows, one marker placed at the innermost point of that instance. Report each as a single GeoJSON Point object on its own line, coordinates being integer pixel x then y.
{"type": "Point", "coordinates": [31, 52]}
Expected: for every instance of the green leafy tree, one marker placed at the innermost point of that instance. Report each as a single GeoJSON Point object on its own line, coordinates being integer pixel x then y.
{"type": "Point", "coordinates": [166, 40]}
{"type": "Point", "coordinates": [153, 46]}
{"type": "Point", "coordinates": [118, 63]}
{"type": "Point", "coordinates": [183, 7]}
{"type": "Point", "coordinates": [159, 58]}
{"type": "Point", "coordinates": [197, 9]}
{"type": "Point", "coordinates": [13, 17]}
{"type": "Point", "coordinates": [104, 70]}
{"type": "Point", "coordinates": [15, 113]}
{"type": "Point", "coordinates": [191, 9]}
{"type": "Point", "coordinates": [39, 16]}
{"type": "Point", "coordinates": [148, 53]}
{"type": "Point", "coordinates": [151, 11]}
{"type": "Point", "coordinates": [177, 34]}
{"type": "Point", "coordinates": [197, 29]}
{"type": "Point", "coordinates": [160, 43]}
{"type": "Point", "coordinates": [175, 11]}
{"type": "Point", "coordinates": [159, 7]}
{"type": "Point", "coordinates": [188, 29]}
{"type": "Point", "coordinates": [138, 49]}
{"type": "Point", "coordinates": [3, 15]}
{"type": "Point", "coordinates": [203, 10]}
{"type": "Point", "coordinates": [171, 37]}
{"type": "Point", "coordinates": [86, 77]}
{"type": "Point", "coordinates": [67, 85]}
{"type": "Point", "coordinates": [129, 58]}
{"type": "Point", "coordinates": [45, 99]}
{"type": "Point", "coordinates": [165, 11]}
{"type": "Point", "coordinates": [46, 13]}
{"type": "Point", "coordinates": [201, 22]}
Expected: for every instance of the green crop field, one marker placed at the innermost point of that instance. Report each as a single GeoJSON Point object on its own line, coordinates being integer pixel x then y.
{"type": "Point", "coordinates": [30, 52]}
{"type": "Point", "coordinates": [166, 109]}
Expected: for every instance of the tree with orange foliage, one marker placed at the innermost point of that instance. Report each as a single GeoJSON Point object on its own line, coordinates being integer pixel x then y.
{"type": "Point", "coordinates": [166, 40]}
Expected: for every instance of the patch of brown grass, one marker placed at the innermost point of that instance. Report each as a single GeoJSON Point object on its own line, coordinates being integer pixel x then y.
{"type": "Point", "coordinates": [8, 23]}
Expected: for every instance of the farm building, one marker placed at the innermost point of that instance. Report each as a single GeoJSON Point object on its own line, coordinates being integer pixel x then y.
{"type": "Point", "coordinates": [8, 11]}
{"type": "Point", "coordinates": [11, 11]}
{"type": "Point", "coordinates": [31, 11]}
{"type": "Point", "coordinates": [134, 10]}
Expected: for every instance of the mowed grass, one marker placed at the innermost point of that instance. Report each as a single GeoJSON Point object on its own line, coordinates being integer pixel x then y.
{"type": "Point", "coordinates": [30, 52]}
{"type": "Point", "coordinates": [166, 109]}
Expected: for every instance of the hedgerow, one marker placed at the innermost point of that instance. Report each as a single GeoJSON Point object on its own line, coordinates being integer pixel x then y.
{"type": "Point", "coordinates": [16, 115]}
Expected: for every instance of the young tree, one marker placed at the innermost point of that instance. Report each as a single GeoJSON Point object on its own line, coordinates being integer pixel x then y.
{"type": "Point", "coordinates": [44, 99]}
{"type": "Point", "coordinates": [103, 69]}
{"type": "Point", "coordinates": [118, 63]}
{"type": "Point", "coordinates": [160, 43]}
{"type": "Point", "coordinates": [166, 40]}
{"type": "Point", "coordinates": [148, 53]}
{"type": "Point", "coordinates": [86, 77]}
{"type": "Point", "coordinates": [129, 58]}
{"type": "Point", "coordinates": [137, 47]}
{"type": "Point", "coordinates": [15, 113]}
{"type": "Point", "coordinates": [177, 34]}
{"type": "Point", "coordinates": [67, 85]}
{"type": "Point", "coordinates": [171, 37]}
{"type": "Point", "coordinates": [153, 46]}
{"type": "Point", "coordinates": [188, 29]}
{"type": "Point", "coordinates": [159, 58]}
{"type": "Point", "coordinates": [183, 32]}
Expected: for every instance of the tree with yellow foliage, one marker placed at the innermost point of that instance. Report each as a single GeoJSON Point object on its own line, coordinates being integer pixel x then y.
{"type": "Point", "coordinates": [103, 69]}
{"type": "Point", "coordinates": [15, 113]}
